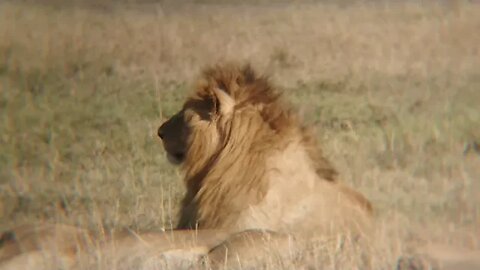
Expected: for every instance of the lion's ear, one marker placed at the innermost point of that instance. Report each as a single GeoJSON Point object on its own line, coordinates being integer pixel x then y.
{"type": "Point", "coordinates": [225, 103]}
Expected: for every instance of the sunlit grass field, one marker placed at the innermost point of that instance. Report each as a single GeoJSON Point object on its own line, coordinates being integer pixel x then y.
{"type": "Point", "coordinates": [393, 90]}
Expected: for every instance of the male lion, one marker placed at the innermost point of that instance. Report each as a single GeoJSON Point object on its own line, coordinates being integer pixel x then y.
{"type": "Point", "coordinates": [255, 178]}
{"type": "Point", "coordinates": [250, 164]}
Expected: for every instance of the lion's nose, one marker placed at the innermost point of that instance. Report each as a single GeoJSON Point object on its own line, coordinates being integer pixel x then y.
{"type": "Point", "coordinates": [160, 132]}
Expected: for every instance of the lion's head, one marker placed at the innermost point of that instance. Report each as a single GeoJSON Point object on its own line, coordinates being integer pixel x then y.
{"type": "Point", "coordinates": [194, 133]}
{"type": "Point", "coordinates": [201, 129]}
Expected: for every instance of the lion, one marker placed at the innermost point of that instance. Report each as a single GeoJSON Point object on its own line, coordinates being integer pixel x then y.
{"type": "Point", "coordinates": [254, 176]}
{"type": "Point", "coordinates": [250, 164]}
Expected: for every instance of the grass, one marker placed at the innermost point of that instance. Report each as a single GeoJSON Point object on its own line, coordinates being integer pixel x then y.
{"type": "Point", "coordinates": [392, 88]}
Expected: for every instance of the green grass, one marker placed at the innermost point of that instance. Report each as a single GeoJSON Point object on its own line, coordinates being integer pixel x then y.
{"type": "Point", "coordinates": [393, 91]}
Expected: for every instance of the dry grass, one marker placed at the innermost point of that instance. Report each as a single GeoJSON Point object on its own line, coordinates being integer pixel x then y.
{"type": "Point", "coordinates": [392, 88]}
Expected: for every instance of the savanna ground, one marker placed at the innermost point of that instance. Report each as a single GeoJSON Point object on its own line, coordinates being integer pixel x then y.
{"type": "Point", "coordinates": [393, 90]}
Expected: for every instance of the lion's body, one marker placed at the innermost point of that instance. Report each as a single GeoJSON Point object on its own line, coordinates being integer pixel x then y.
{"type": "Point", "coordinates": [251, 167]}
